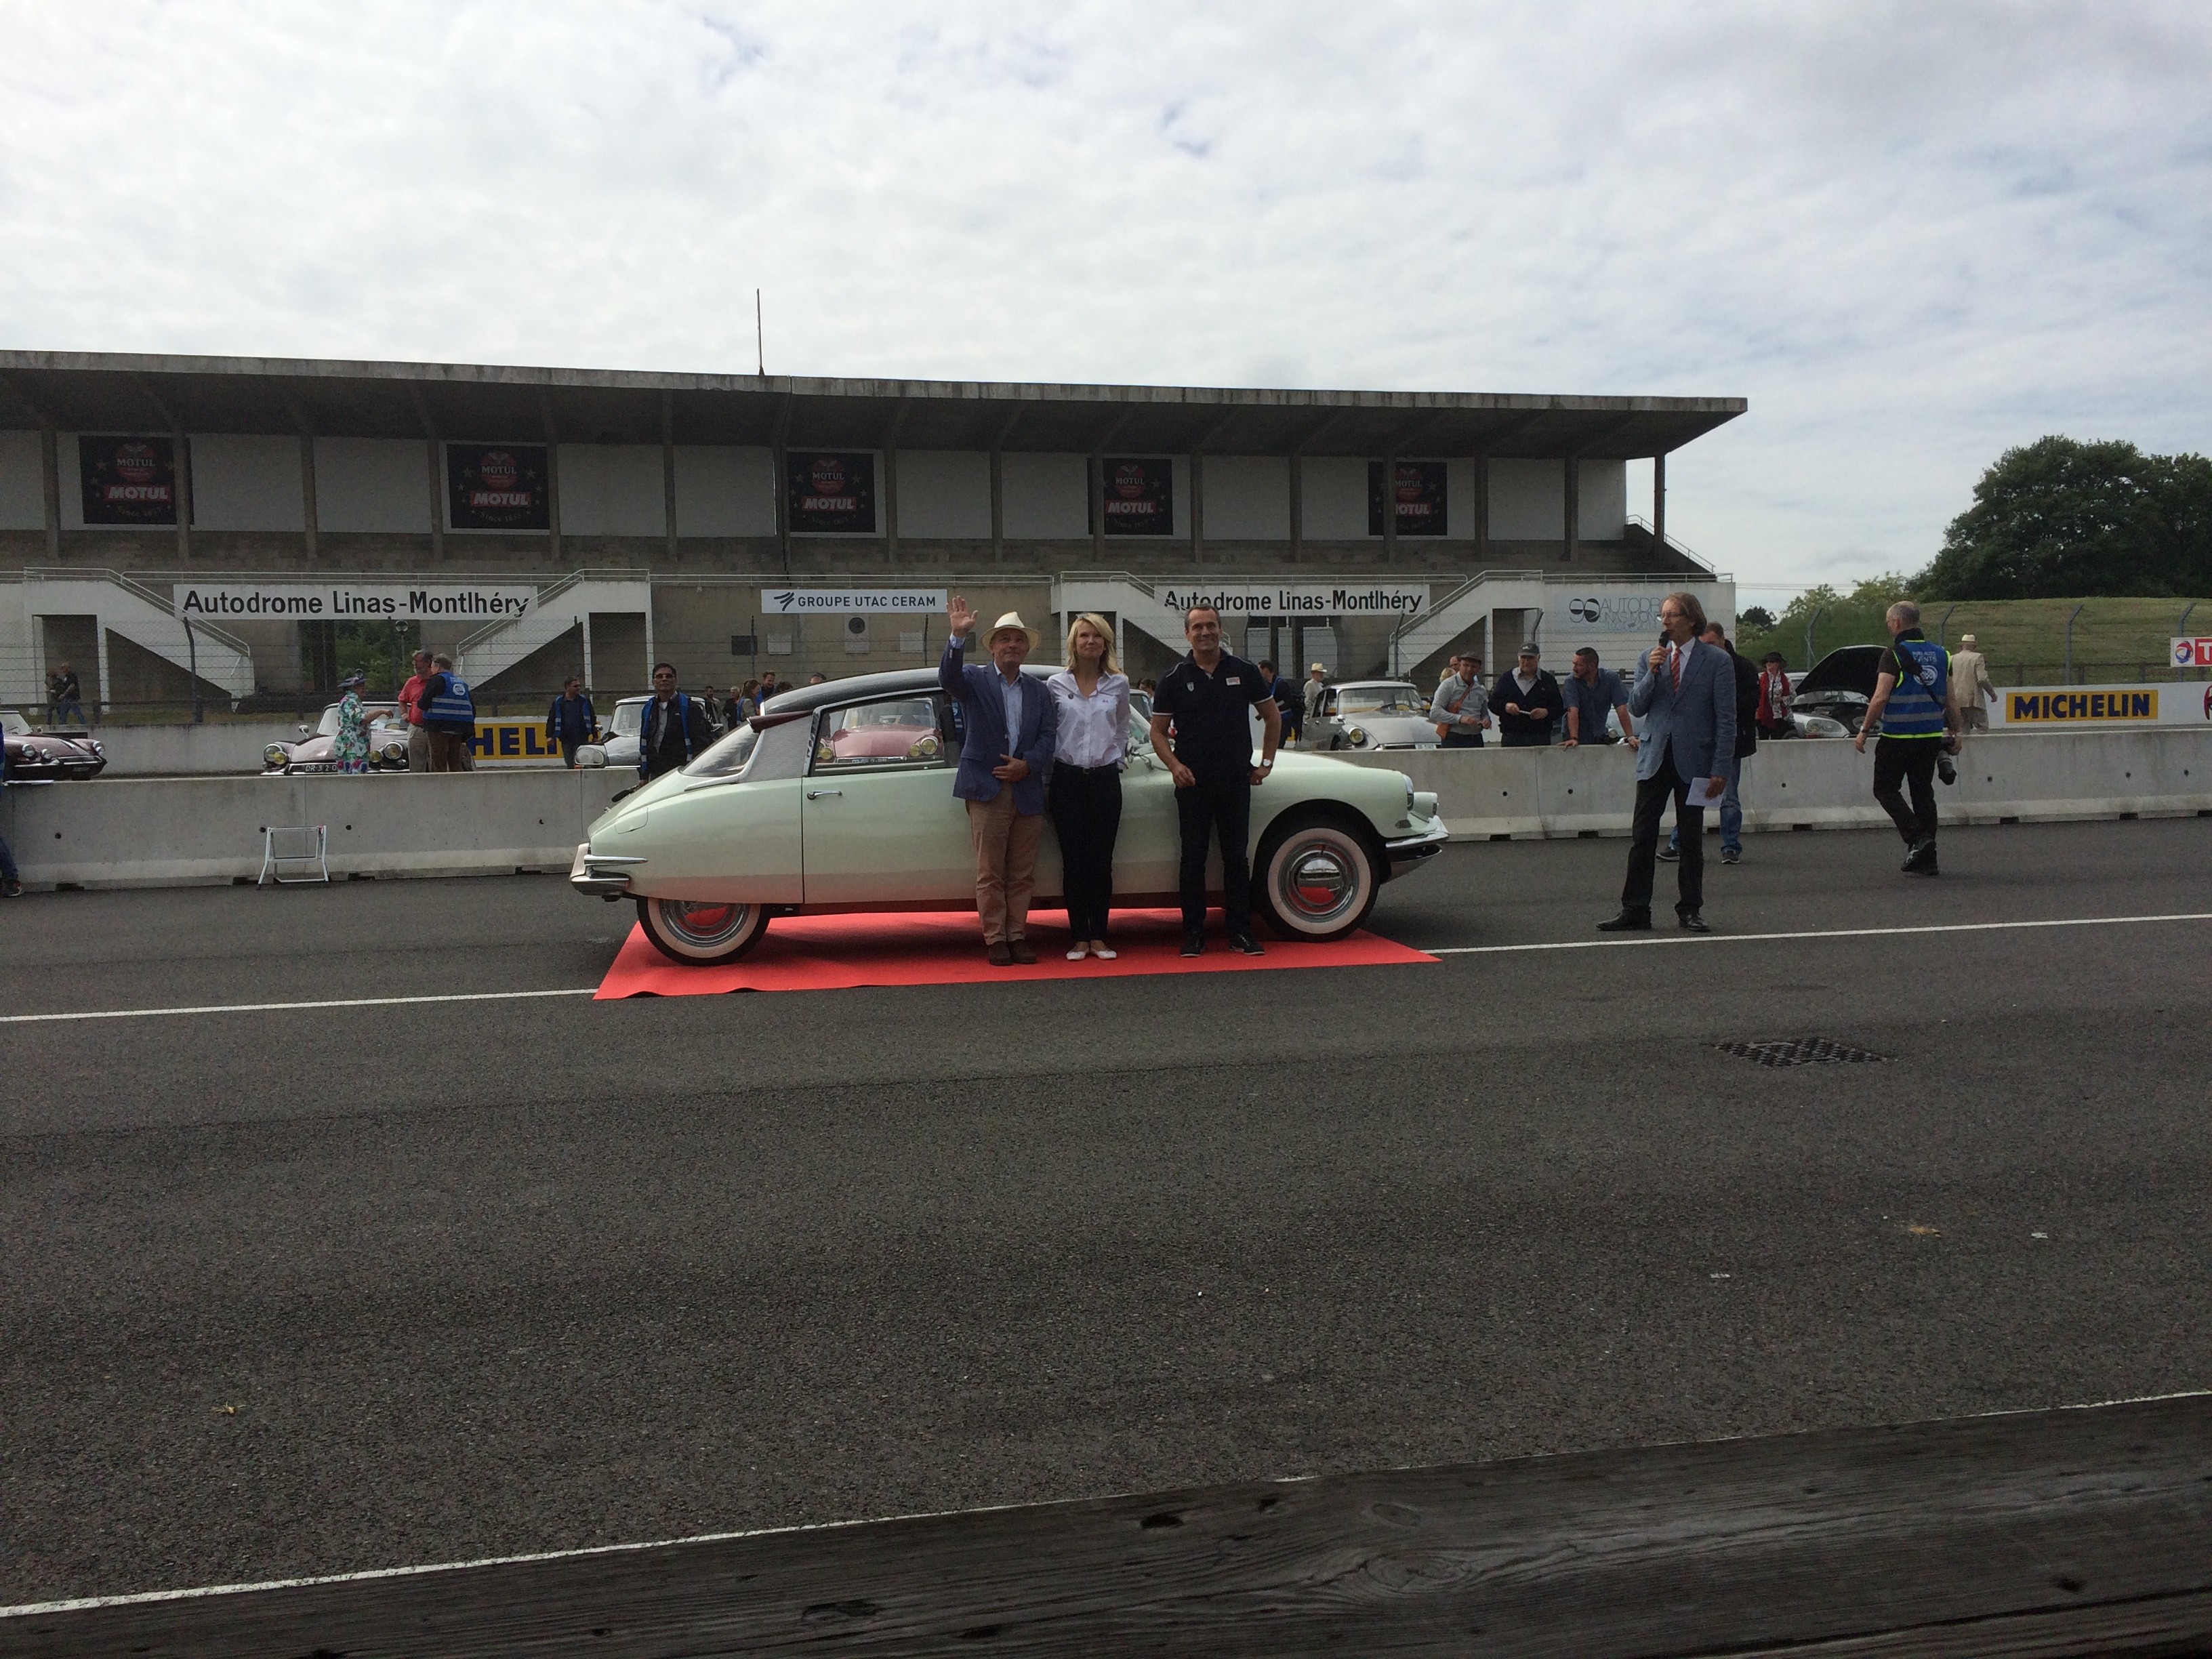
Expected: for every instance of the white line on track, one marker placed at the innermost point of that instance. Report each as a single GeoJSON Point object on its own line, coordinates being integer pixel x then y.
{"type": "Point", "coordinates": [84, 1603]}
{"type": "Point", "coordinates": [280, 1007]}
{"type": "Point", "coordinates": [1832, 932]}
{"type": "Point", "coordinates": [1430, 949]}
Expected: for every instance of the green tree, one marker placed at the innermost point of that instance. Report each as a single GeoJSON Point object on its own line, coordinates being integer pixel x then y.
{"type": "Point", "coordinates": [2059, 518]}
{"type": "Point", "coordinates": [1755, 618]}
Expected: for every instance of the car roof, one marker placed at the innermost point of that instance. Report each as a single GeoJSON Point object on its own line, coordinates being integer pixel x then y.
{"type": "Point", "coordinates": [802, 699]}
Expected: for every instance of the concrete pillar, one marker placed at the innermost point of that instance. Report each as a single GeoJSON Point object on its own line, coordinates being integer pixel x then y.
{"type": "Point", "coordinates": [50, 487]}
{"type": "Point", "coordinates": [1572, 471]}
{"type": "Point", "coordinates": [667, 478]}
{"type": "Point", "coordinates": [1389, 511]}
{"type": "Point", "coordinates": [781, 460]}
{"type": "Point", "coordinates": [1098, 488]}
{"type": "Point", "coordinates": [100, 652]}
{"type": "Point", "coordinates": [430, 448]}
{"type": "Point", "coordinates": [181, 452]}
{"type": "Point", "coordinates": [587, 620]}
{"type": "Point", "coordinates": [309, 517]}
{"type": "Point", "coordinates": [1297, 505]}
{"type": "Point", "coordinates": [890, 503]}
{"type": "Point", "coordinates": [1482, 515]}
{"type": "Point", "coordinates": [998, 505]}
{"type": "Point", "coordinates": [1197, 506]}
{"type": "Point", "coordinates": [552, 477]}
{"type": "Point", "coordinates": [1659, 499]}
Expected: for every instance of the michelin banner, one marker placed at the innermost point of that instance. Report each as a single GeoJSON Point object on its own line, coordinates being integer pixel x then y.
{"type": "Point", "coordinates": [2058, 707]}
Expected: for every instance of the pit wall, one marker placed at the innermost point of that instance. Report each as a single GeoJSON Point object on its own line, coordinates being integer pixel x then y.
{"type": "Point", "coordinates": [1821, 783]}
{"type": "Point", "coordinates": [124, 832]}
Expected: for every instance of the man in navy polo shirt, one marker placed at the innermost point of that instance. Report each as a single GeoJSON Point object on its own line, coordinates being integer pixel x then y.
{"type": "Point", "coordinates": [1205, 700]}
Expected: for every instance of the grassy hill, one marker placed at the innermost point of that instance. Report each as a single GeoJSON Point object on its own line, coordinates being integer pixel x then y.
{"type": "Point", "coordinates": [2025, 640]}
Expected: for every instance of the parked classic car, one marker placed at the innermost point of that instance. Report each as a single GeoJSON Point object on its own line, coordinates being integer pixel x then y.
{"type": "Point", "coordinates": [1838, 688]}
{"type": "Point", "coordinates": [1372, 715]}
{"type": "Point", "coordinates": [316, 751]}
{"type": "Point", "coordinates": [34, 754]}
{"type": "Point", "coordinates": [839, 798]}
{"type": "Point", "coordinates": [619, 746]}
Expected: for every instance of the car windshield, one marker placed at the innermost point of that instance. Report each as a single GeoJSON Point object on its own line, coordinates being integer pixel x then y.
{"type": "Point", "coordinates": [14, 724]}
{"type": "Point", "coordinates": [1382, 700]}
{"type": "Point", "coordinates": [376, 712]}
{"type": "Point", "coordinates": [725, 759]}
{"type": "Point", "coordinates": [629, 718]}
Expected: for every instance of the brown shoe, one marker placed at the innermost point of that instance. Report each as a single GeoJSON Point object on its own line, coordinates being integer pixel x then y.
{"type": "Point", "coordinates": [1001, 954]}
{"type": "Point", "coordinates": [1023, 954]}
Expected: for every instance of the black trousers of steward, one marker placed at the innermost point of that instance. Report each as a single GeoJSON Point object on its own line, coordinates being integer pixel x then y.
{"type": "Point", "coordinates": [1910, 761]}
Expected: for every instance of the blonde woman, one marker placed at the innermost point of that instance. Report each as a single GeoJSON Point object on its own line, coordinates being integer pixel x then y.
{"type": "Point", "coordinates": [1085, 800]}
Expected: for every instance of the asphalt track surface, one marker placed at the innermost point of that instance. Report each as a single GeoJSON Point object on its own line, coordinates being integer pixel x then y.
{"type": "Point", "coordinates": [295, 1292]}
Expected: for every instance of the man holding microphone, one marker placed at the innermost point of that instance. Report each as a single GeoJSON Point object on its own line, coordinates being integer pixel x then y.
{"type": "Point", "coordinates": [1685, 694]}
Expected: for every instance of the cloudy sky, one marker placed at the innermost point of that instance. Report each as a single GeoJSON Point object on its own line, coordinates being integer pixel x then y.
{"type": "Point", "coordinates": [1911, 235]}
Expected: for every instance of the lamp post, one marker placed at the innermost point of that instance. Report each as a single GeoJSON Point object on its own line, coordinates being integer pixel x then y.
{"type": "Point", "coordinates": [1809, 622]}
{"type": "Point", "coordinates": [2070, 644]}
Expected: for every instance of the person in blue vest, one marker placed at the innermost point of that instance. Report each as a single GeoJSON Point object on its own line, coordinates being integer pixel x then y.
{"type": "Point", "coordinates": [675, 730]}
{"type": "Point", "coordinates": [1916, 708]}
{"type": "Point", "coordinates": [570, 722]}
{"type": "Point", "coordinates": [449, 716]}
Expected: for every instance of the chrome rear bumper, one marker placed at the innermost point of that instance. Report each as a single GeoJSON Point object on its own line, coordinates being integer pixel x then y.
{"type": "Point", "coordinates": [602, 876]}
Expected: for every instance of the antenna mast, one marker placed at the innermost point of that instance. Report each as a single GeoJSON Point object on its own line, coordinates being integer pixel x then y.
{"type": "Point", "coordinates": [760, 346]}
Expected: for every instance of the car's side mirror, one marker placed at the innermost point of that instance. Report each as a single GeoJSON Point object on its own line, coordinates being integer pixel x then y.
{"type": "Point", "coordinates": [591, 754]}
{"type": "Point", "coordinates": [305, 730]}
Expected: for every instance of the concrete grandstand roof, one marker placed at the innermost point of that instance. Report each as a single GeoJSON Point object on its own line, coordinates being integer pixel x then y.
{"type": "Point", "coordinates": [120, 391]}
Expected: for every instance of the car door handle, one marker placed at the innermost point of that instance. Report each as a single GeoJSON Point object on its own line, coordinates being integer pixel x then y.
{"type": "Point", "coordinates": [817, 794]}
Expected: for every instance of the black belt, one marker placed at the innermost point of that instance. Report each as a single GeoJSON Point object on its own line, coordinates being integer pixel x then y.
{"type": "Point", "coordinates": [1069, 766]}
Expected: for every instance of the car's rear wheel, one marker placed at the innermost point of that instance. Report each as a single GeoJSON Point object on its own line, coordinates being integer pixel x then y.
{"type": "Point", "coordinates": [702, 932]}
{"type": "Point", "coordinates": [1317, 878]}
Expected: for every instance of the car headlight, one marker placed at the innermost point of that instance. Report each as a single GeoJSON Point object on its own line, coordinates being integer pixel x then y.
{"type": "Point", "coordinates": [922, 749]}
{"type": "Point", "coordinates": [1408, 782]}
{"type": "Point", "coordinates": [1356, 737]}
{"type": "Point", "coordinates": [274, 755]}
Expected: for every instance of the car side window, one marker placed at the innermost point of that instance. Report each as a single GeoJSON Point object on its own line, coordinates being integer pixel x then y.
{"type": "Point", "coordinates": [1328, 702]}
{"type": "Point", "coordinates": [871, 737]}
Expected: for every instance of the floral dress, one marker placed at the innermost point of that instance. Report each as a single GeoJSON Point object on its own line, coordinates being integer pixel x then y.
{"type": "Point", "coordinates": [350, 748]}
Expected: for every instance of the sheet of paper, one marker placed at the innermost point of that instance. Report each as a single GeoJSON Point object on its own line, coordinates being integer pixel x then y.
{"type": "Point", "coordinates": [1702, 793]}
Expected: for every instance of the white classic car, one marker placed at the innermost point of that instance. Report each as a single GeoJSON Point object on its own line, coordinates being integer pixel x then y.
{"type": "Point", "coordinates": [839, 798]}
{"type": "Point", "coordinates": [1372, 715]}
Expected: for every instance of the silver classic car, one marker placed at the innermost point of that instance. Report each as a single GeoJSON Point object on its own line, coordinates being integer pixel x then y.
{"type": "Point", "coordinates": [839, 797]}
{"type": "Point", "coordinates": [317, 749]}
{"type": "Point", "coordinates": [1372, 715]}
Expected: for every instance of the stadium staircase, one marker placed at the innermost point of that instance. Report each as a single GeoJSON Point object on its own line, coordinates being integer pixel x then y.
{"type": "Point", "coordinates": [570, 603]}
{"type": "Point", "coordinates": [117, 605]}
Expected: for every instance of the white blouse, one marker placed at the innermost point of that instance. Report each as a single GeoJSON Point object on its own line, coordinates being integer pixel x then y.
{"type": "Point", "coordinates": [1094, 730]}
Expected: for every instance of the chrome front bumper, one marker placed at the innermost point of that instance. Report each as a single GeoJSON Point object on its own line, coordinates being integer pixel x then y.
{"type": "Point", "coordinates": [1428, 843]}
{"type": "Point", "coordinates": [602, 877]}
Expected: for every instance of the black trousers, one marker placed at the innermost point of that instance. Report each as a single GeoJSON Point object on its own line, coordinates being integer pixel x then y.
{"type": "Point", "coordinates": [1652, 794]}
{"type": "Point", "coordinates": [1086, 815]}
{"type": "Point", "coordinates": [1205, 810]}
{"type": "Point", "coordinates": [1527, 739]}
{"type": "Point", "coordinates": [1907, 760]}
{"type": "Point", "coordinates": [1456, 738]}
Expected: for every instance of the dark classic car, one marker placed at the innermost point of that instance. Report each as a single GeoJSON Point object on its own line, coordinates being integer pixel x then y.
{"type": "Point", "coordinates": [35, 755]}
{"type": "Point", "coordinates": [316, 749]}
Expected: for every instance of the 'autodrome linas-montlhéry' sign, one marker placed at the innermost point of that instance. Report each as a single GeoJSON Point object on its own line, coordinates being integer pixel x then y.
{"type": "Point", "coordinates": [344, 601]}
{"type": "Point", "coordinates": [1303, 598]}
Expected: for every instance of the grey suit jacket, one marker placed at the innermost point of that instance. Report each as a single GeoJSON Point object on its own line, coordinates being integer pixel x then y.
{"type": "Point", "coordinates": [1697, 723]}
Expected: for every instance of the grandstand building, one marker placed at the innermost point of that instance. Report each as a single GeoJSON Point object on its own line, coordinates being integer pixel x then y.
{"type": "Point", "coordinates": [163, 517]}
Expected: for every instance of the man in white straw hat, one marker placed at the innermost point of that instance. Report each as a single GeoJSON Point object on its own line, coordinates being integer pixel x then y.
{"type": "Point", "coordinates": [1970, 672]}
{"type": "Point", "coordinates": [1010, 722]}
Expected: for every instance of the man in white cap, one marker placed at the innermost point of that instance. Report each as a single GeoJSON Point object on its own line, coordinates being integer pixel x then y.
{"type": "Point", "coordinates": [1011, 724]}
{"type": "Point", "coordinates": [1970, 672]}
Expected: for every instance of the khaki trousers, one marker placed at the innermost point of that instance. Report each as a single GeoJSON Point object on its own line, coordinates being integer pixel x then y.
{"type": "Point", "coordinates": [1006, 864]}
{"type": "Point", "coordinates": [449, 752]}
{"type": "Point", "coordinates": [418, 750]}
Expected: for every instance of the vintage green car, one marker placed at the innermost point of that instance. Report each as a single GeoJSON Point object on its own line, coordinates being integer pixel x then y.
{"type": "Point", "coordinates": [839, 797]}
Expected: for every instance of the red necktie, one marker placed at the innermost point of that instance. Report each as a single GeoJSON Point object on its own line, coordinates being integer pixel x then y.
{"type": "Point", "coordinates": [1675, 664]}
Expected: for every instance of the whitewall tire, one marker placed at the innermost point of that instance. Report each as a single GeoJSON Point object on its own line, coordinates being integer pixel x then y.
{"type": "Point", "coordinates": [1316, 879]}
{"type": "Point", "coordinates": [702, 932]}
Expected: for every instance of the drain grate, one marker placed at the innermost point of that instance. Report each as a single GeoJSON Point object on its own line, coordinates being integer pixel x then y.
{"type": "Point", "coordinates": [1801, 1051]}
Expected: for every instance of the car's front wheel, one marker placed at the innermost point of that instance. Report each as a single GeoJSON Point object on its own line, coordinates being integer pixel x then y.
{"type": "Point", "coordinates": [1316, 879]}
{"type": "Point", "coordinates": [702, 932]}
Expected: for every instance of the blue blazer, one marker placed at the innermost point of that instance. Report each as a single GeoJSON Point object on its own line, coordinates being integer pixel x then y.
{"type": "Point", "coordinates": [983, 710]}
{"type": "Point", "coordinates": [1697, 722]}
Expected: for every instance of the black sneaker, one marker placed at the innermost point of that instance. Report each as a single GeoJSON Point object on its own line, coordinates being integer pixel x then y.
{"type": "Point", "coordinates": [11, 888]}
{"type": "Point", "coordinates": [1668, 855]}
{"type": "Point", "coordinates": [1731, 855]}
{"type": "Point", "coordinates": [1921, 861]}
{"type": "Point", "coordinates": [1245, 945]}
{"type": "Point", "coordinates": [1194, 944]}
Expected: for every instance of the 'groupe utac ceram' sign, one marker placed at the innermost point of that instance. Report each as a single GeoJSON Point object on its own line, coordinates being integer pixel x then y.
{"type": "Point", "coordinates": [349, 601]}
{"type": "Point", "coordinates": [845, 601]}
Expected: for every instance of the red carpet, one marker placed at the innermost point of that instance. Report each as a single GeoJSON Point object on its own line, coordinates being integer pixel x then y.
{"type": "Point", "coordinates": [832, 953]}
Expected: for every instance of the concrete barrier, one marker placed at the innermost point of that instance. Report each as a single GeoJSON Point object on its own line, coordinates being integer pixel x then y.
{"type": "Point", "coordinates": [126, 832]}
{"type": "Point", "coordinates": [184, 751]}
{"type": "Point", "coordinates": [1824, 783]}
{"type": "Point", "coordinates": [167, 832]}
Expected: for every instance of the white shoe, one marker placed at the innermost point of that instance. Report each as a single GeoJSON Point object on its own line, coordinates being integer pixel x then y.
{"type": "Point", "coordinates": [1081, 951]}
{"type": "Point", "coordinates": [1100, 950]}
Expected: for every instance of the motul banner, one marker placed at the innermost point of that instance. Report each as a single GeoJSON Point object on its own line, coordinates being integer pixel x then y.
{"type": "Point", "coordinates": [128, 480]}
{"type": "Point", "coordinates": [1139, 496]}
{"type": "Point", "coordinates": [496, 487]}
{"type": "Point", "coordinates": [1420, 494]}
{"type": "Point", "coordinates": [830, 492]}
